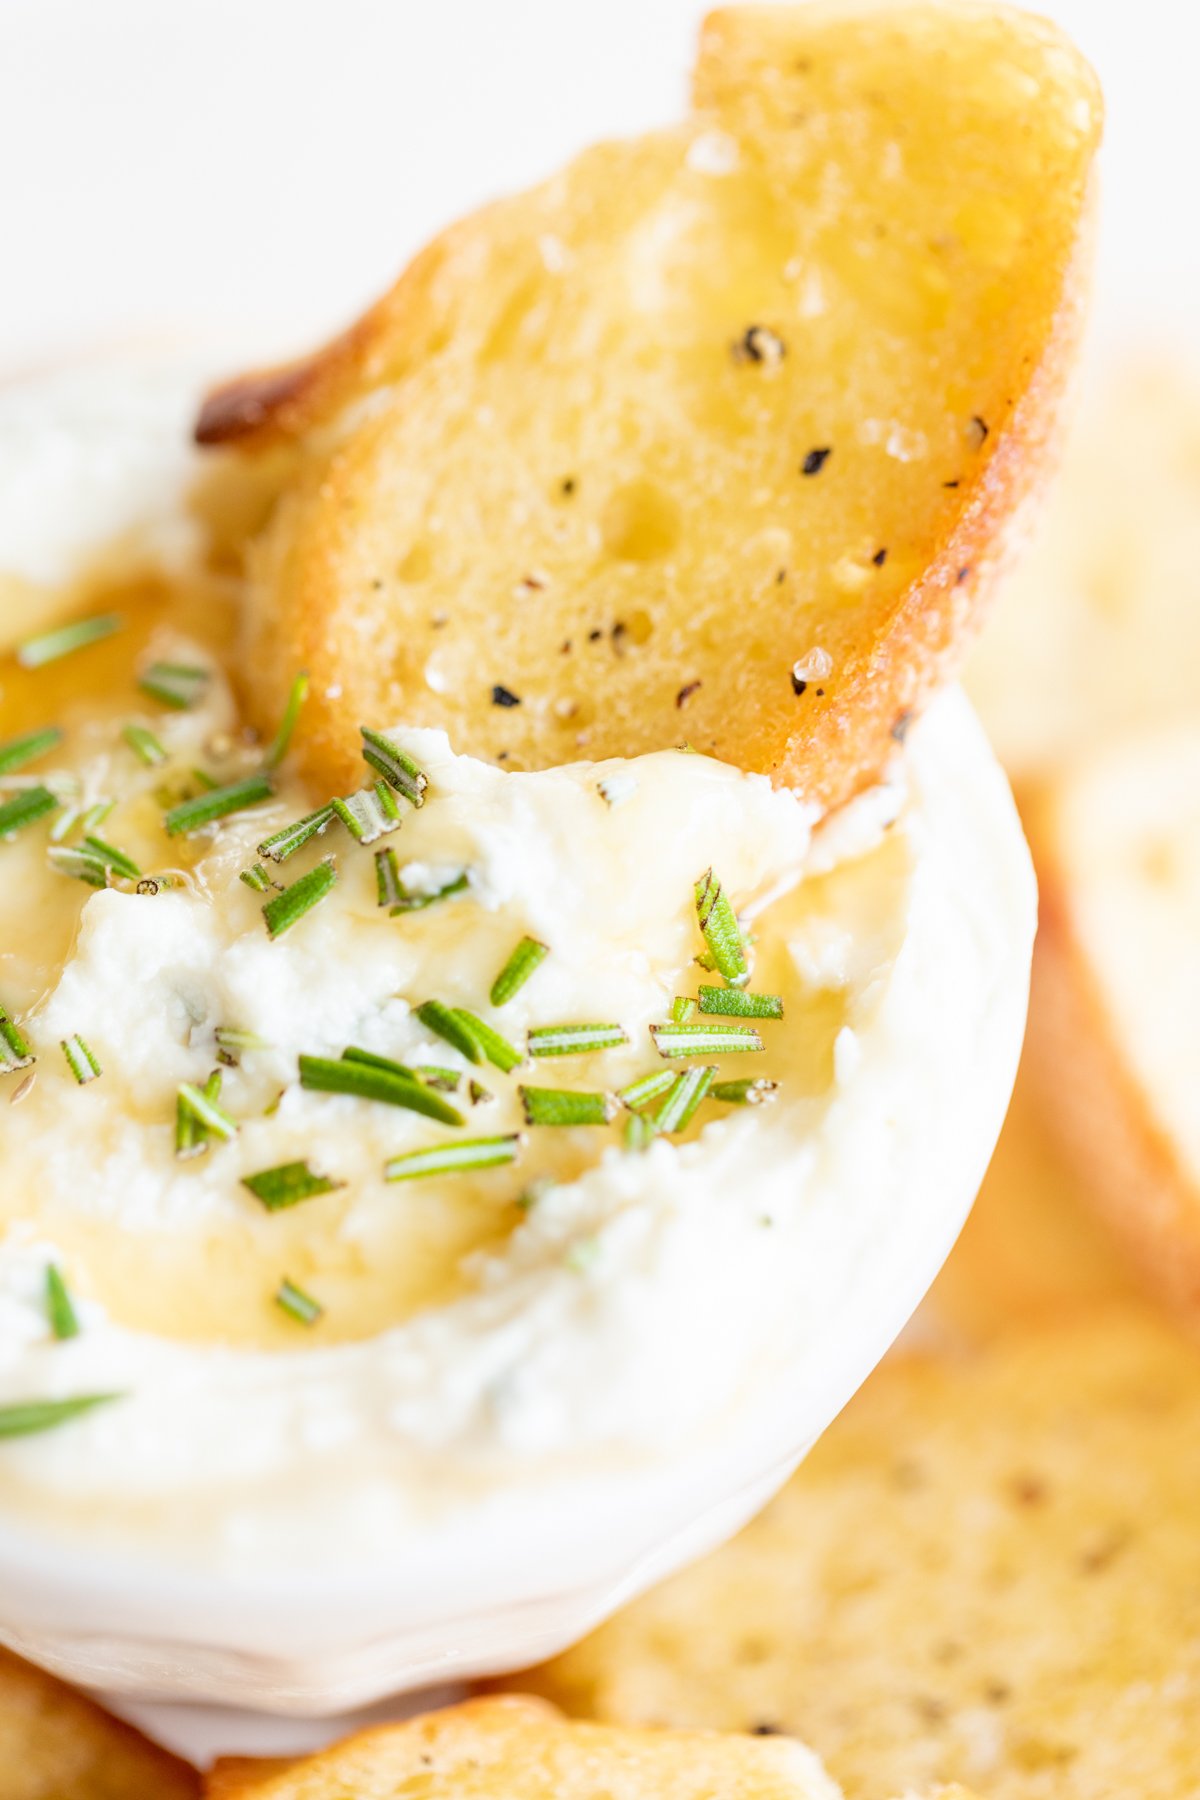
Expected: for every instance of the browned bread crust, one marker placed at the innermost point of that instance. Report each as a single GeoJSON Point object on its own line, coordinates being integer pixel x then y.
{"type": "Point", "coordinates": [718, 435]}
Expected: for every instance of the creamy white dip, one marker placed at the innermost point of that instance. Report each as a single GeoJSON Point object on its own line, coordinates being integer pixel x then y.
{"type": "Point", "coordinates": [486, 1338]}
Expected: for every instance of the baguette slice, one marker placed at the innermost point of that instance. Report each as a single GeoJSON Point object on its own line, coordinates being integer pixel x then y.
{"type": "Point", "coordinates": [55, 1744]}
{"type": "Point", "coordinates": [717, 435]}
{"type": "Point", "coordinates": [518, 1749]}
{"type": "Point", "coordinates": [1098, 630]}
{"type": "Point", "coordinates": [987, 1570]}
{"type": "Point", "coordinates": [1115, 1025]}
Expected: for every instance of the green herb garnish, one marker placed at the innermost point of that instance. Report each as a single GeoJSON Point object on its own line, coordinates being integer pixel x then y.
{"type": "Point", "coordinates": [257, 879]}
{"type": "Point", "coordinates": [14, 1048]}
{"type": "Point", "coordinates": [463, 1155]}
{"type": "Point", "coordinates": [499, 1052]}
{"type": "Point", "coordinates": [748, 1091]}
{"type": "Point", "coordinates": [721, 931]}
{"type": "Point", "coordinates": [288, 1184]}
{"type": "Point", "coordinates": [687, 1091]}
{"type": "Point", "coordinates": [647, 1088]}
{"type": "Point", "coordinates": [194, 815]}
{"type": "Point", "coordinates": [59, 1310]}
{"type": "Point", "coordinates": [37, 651]}
{"type": "Point", "coordinates": [111, 857]}
{"type": "Point", "coordinates": [233, 1042]}
{"type": "Point", "coordinates": [451, 1024]}
{"type": "Point", "coordinates": [395, 765]}
{"type": "Point", "coordinates": [83, 865]}
{"type": "Point", "coordinates": [561, 1106]}
{"type": "Point", "coordinates": [370, 813]}
{"type": "Point", "coordinates": [528, 956]}
{"type": "Point", "coordinates": [682, 1009]}
{"type": "Point", "coordinates": [447, 1081]}
{"type": "Point", "coordinates": [177, 685]}
{"type": "Point", "coordinates": [293, 837]}
{"type": "Point", "coordinates": [284, 910]}
{"type": "Point", "coordinates": [28, 1416]}
{"type": "Point", "coordinates": [704, 1040]}
{"type": "Point", "coordinates": [393, 1085]}
{"type": "Point", "coordinates": [80, 1060]}
{"type": "Point", "coordinates": [291, 712]}
{"type": "Point", "coordinates": [25, 809]}
{"type": "Point", "coordinates": [574, 1040]}
{"type": "Point", "coordinates": [18, 751]}
{"type": "Point", "coordinates": [407, 901]}
{"type": "Point", "coordinates": [297, 1304]}
{"type": "Point", "coordinates": [640, 1131]}
{"type": "Point", "coordinates": [735, 1003]}
{"type": "Point", "coordinates": [145, 746]}
{"type": "Point", "coordinates": [202, 1107]}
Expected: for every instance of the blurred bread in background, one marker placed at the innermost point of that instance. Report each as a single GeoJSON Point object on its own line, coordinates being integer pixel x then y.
{"type": "Point", "coordinates": [1097, 630]}
{"type": "Point", "coordinates": [1114, 1041]}
{"type": "Point", "coordinates": [988, 1570]}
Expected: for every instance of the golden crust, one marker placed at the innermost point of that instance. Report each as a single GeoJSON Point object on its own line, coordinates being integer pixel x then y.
{"type": "Point", "coordinates": [510, 1746]}
{"type": "Point", "coordinates": [57, 1745]}
{"type": "Point", "coordinates": [562, 463]}
{"type": "Point", "coordinates": [987, 1570]}
{"type": "Point", "coordinates": [1128, 1163]}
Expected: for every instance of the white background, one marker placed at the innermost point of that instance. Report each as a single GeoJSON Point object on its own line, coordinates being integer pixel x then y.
{"type": "Point", "coordinates": [256, 169]}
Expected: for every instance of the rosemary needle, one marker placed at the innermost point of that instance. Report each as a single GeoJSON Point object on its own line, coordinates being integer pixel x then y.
{"type": "Point", "coordinates": [574, 1040]}
{"type": "Point", "coordinates": [290, 838]}
{"type": "Point", "coordinates": [25, 808]}
{"type": "Point", "coordinates": [27, 1416]}
{"type": "Point", "coordinates": [285, 909]}
{"type": "Point", "coordinates": [18, 751]}
{"type": "Point", "coordinates": [80, 1060]}
{"type": "Point", "coordinates": [14, 1047]}
{"type": "Point", "coordinates": [528, 956]}
{"type": "Point", "coordinates": [291, 713]}
{"type": "Point", "coordinates": [59, 1309]}
{"type": "Point", "coordinates": [297, 1304]}
{"type": "Point", "coordinates": [177, 685]}
{"type": "Point", "coordinates": [736, 1003]}
{"type": "Point", "coordinates": [687, 1091]}
{"type": "Point", "coordinates": [206, 809]}
{"type": "Point", "coordinates": [395, 765]}
{"type": "Point", "coordinates": [288, 1184]}
{"type": "Point", "coordinates": [561, 1106]}
{"type": "Point", "coordinates": [460, 1156]}
{"type": "Point", "coordinates": [704, 1040]}
{"type": "Point", "coordinates": [721, 931]}
{"type": "Point", "coordinates": [647, 1088]}
{"type": "Point", "coordinates": [35, 652]}
{"type": "Point", "coordinates": [362, 1080]}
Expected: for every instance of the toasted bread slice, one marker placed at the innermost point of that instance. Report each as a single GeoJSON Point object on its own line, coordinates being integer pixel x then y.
{"type": "Point", "coordinates": [57, 1745]}
{"type": "Point", "coordinates": [987, 1570]}
{"type": "Point", "coordinates": [714, 436]}
{"type": "Point", "coordinates": [1115, 1027]}
{"type": "Point", "coordinates": [510, 1747]}
{"type": "Point", "coordinates": [1097, 631]}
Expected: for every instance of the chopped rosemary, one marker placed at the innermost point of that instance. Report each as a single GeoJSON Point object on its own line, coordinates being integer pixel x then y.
{"type": "Point", "coordinates": [14, 1047]}
{"type": "Point", "coordinates": [447, 1081]}
{"type": "Point", "coordinates": [191, 1136]}
{"type": "Point", "coordinates": [499, 1052]}
{"type": "Point", "coordinates": [37, 651]}
{"type": "Point", "coordinates": [25, 1417]}
{"type": "Point", "coordinates": [370, 813]}
{"type": "Point", "coordinates": [735, 1003]}
{"type": "Point", "coordinates": [59, 1310]}
{"type": "Point", "coordinates": [682, 1009]}
{"type": "Point", "coordinates": [748, 1091]}
{"type": "Point", "coordinates": [406, 901]}
{"type": "Point", "coordinates": [704, 1040]}
{"type": "Point", "coordinates": [574, 1040]}
{"type": "Point", "coordinates": [451, 1024]}
{"type": "Point", "coordinates": [722, 933]}
{"type": "Point", "coordinates": [373, 1060]}
{"type": "Point", "coordinates": [647, 1088]}
{"type": "Point", "coordinates": [257, 879]}
{"type": "Point", "coordinates": [194, 815]}
{"type": "Point", "coordinates": [84, 864]}
{"type": "Point", "coordinates": [233, 1043]}
{"type": "Point", "coordinates": [145, 746]}
{"type": "Point", "coordinates": [455, 1158]}
{"type": "Point", "coordinates": [288, 1184]}
{"type": "Point", "coordinates": [297, 1304]}
{"type": "Point", "coordinates": [291, 712]}
{"type": "Point", "coordinates": [478, 1093]}
{"type": "Point", "coordinates": [203, 1106]}
{"type": "Point", "coordinates": [687, 1091]}
{"type": "Point", "coordinates": [560, 1106]}
{"type": "Point", "coordinates": [80, 1060]}
{"type": "Point", "coordinates": [397, 768]}
{"type": "Point", "coordinates": [640, 1132]}
{"type": "Point", "coordinates": [25, 809]}
{"type": "Point", "coordinates": [177, 685]}
{"type": "Point", "coordinates": [391, 1084]}
{"type": "Point", "coordinates": [283, 910]}
{"type": "Point", "coordinates": [389, 889]}
{"type": "Point", "coordinates": [18, 751]}
{"type": "Point", "coordinates": [112, 857]}
{"type": "Point", "coordinates": [293, 837]}
{"type": "Point", "coordinates": [528, 956]}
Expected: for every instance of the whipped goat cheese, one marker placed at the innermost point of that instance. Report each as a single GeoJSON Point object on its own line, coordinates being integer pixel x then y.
{"type": "Point", "coordinates": [597, 1303]}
